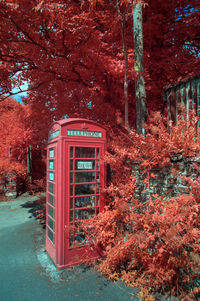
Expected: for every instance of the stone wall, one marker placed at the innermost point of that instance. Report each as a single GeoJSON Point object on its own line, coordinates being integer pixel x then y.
{"type": "Point", "coordinates": [8, 186]}
{"type": "Point", "coordinates": [169, 181]}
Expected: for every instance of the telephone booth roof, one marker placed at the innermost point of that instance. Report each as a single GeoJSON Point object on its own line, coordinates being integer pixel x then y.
{"type": "Point", "coordinates": [72, 127]}
{"type": "Point", "coordinates": [77, 120]}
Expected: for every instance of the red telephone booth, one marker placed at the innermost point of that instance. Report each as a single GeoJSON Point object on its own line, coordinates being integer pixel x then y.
{"type": "Point", "coordinates": [75, 176]}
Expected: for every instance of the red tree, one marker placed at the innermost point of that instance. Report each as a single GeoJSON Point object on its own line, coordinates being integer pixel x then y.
{"type": "Point", "coordinates": [72, 56]}
{"type": "Point", "coordinates": [19, 130]}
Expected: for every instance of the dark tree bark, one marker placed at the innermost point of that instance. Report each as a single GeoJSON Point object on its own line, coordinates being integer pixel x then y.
{"type": "Point", "coordinates": [125, 72]}
{"type": "Point", "coordinates": [124, 42]}
{"type": "Point", "coordinates": [141, 108]}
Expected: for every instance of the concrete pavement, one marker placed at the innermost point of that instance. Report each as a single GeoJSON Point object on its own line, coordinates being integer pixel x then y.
{"type": "Point", "coordinates": [27, 273]}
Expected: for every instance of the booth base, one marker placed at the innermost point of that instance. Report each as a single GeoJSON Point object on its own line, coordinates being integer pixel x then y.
{"type": "Point", "coordinates": [62, 267]}
{"type": "Point", "coordinates": [73, 257]}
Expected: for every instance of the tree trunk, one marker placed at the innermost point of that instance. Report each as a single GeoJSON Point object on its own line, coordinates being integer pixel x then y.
{"type": "Point", "coordinates": [122, 26]}
{"type": "Point", "coordinates": [29, 163]}
{"type": "Point", "coordinates": [141, 109]}
{"type": "Point", "coordinates": [125, 72]}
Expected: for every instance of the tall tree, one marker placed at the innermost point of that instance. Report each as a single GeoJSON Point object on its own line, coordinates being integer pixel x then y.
{"type": "Point", "coordinates": [122, 16]}
{"type": "Point", "coordinates": [140, 92]}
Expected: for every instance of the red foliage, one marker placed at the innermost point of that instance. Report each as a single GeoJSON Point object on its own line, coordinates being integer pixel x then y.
{"type": "Point", "coordinates": [15, 136]}
{"type": "Point", "coordinates": [72, 56]}
{"type": "Point", "coordinates": [154, 244]}
{"type": "Point", "coordinates": [41, 213]}
{"type": "Point", "coordinates": [18, 130]}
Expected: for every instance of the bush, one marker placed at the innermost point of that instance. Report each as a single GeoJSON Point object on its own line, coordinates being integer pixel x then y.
{"type": "Point", "coordinates": [155, 244]}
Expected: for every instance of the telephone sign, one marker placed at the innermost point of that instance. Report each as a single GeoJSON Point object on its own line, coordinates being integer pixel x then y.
{"type": "Point", "coordinates": [84, 133]}
{"type": "Point", "coordinates": [84, 165]}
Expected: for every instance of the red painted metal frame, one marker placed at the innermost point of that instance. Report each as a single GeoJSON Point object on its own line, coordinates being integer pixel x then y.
{"type": "Point", "coordinates": [62, 253]}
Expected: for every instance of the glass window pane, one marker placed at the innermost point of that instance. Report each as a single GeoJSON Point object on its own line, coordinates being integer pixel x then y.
{"type": "Point", "coordinates": [98, 177]}
{"type": "Point", "coordinates": [85, 152]}
{"type": "Point", "coordinates": [71, 164]}
{"type": "Point", "coordinates": [71, 203]}
{"type": "Point", "coordinates": [97, 164]}
{"type": "Point", "coordinates": [84, 165]}
{"type": "Point", "coordinates": [51, 153]}
{"type": "Point", "coordinates": [71, 241]}
{"type": "Point", "coordinates": [50, 223]}
{"type": "Point", "coordinates": [85, 189]}
{"type": "Point", "coordinates": [51, 187]}
{"type": "Point", "coordinates": [71, 190]}
{"type": "Point", "coordinates": [97, 212]}
{"type": "Point", "coordinates": [78, 228]}
{"type": "Point", "coordinates": [71, 177]}
{"type": "Point", "coordinates": [84, 214]}
{"type": "Point", "coordinates": [51, 199]}
{"type": "Point", "coordinates": [97, 188]}
{"type": "Point", "coordinates": [71, 152]}
{"type": "Point", "coordinates": [97, 153]}
{"type": "Point", "coordinates": [51, 176]}
{"type": "Point", "coordinates": [80, 239]}
{"type": "Point", "coordinates": [86, 201]}
{"type": "Point", "coordinates": [51, 164]}
{"type": "Point", "coordinates": [84, 177]}
{"type": "Point", "coordinates": [71, 216]}
{"type": "Point", "coordinates": [51, 211]}
{"type": "Point", "coordinates": [97, 201]}
{"type": "Point", "coordinates": [50, 235]}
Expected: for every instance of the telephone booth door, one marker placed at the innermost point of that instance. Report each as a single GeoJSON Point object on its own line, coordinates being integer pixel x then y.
{"type": "Point", "coordinates": [85, 178]}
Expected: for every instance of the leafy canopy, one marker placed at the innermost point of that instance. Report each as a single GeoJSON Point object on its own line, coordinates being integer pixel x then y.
{"type": "Point", "coordinates": [71, 56]}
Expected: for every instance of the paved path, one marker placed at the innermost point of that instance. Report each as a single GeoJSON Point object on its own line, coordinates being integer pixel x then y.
{"type": "Point", "coordinates": [27, 273]}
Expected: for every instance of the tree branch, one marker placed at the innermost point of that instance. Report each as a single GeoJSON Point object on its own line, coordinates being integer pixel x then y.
{"type": "Point", "coordinates": [27, 35]}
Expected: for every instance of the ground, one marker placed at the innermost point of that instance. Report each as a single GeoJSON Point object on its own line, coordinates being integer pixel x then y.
{"type": "Point", "coordinates": [26, 271]}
